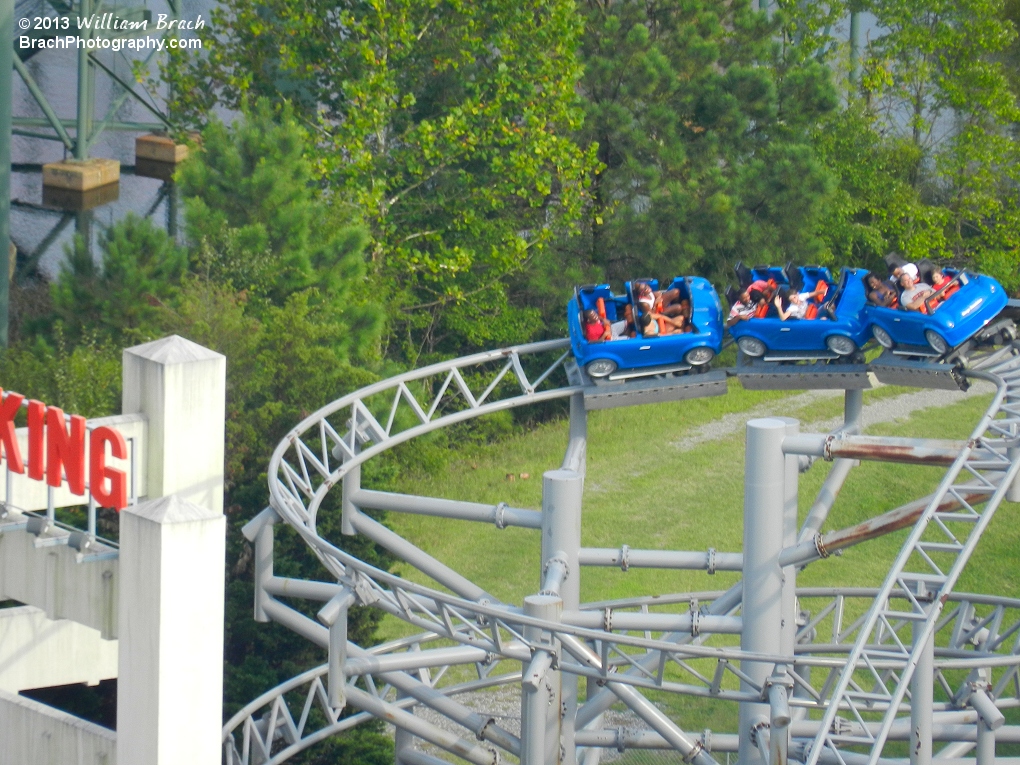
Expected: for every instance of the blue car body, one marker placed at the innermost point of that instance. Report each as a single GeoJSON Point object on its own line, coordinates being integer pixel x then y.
{"type": "Point", "coordinates": [957, 318]}
{"type": "Point", "coordinates": [640, 355]}
{"type": "Point", "coordinates": [841, 315]}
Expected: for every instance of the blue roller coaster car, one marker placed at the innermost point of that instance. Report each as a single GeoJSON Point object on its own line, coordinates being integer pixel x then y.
{"type": "Point", "coordinates": [839, 327]}
{"type": "Point", "coordinates": [963, 309]}
{"type": "Point", "coordinates": [640, 356]}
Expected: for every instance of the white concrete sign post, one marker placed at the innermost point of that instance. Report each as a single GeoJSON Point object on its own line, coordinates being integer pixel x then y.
{"type": "Point", "coordinates": [150, 614]}
{"type": "Point", "coordinates": [170, 691]}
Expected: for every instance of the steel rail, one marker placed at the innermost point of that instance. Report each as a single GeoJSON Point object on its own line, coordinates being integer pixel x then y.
{"type": "Point", "coordinates": [301, 475]}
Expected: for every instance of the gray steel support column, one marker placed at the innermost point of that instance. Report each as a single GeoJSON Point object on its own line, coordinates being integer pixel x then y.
{"type": "Point", "coordinates": [853, 411]}
{"type": "Point", "coordinates": [6, 96]}
{"type": "Point", "coordinates": [922, 686]}
{"type": "Point", "coordinates": [779, 739]}
{"type": "Point", "coordinates": [855, 47]}
{"type": "Point", "coordinates": [788, 628]}
{"type": "Point", "coordinates": [351, 485]}
{"type": "Point", "coordinates": [403, 744]}
{"type": "Point", "coordinates": [762, 612]}
{"type": "Point", "coordinates": [83, 124]}
{"type": "Point", "coordinates": [541, 692]}
{"type": "Point", "coordinates": [826, 497]}
{"type": "Point", "coordinates": [263, 568]}
{"type": "Point", "coordinates": [985, 750]}
{"type": "Point", "coordinates": [173, 204]}
{"type": "Point", "coordinates": [591, 755]}
{"type": "Point", "coordinates": [334, 616]}
{"type": "Point", "coordinates": [577, 447]}
{"type": "Point", "coordinates": [562, 492]}
{"type": "Point", "coordinates": [1013, 454]}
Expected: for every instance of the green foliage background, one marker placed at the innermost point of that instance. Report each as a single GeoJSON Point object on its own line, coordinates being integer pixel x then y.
{"type": "Point", "coordinates": [416, 179]}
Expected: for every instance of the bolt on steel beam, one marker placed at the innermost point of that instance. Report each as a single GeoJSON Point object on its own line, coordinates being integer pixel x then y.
{"type": "Point", "coordinates": [627, 557]}
{"type": "Point", "coordinates": [915, 451]}
{"type": "Point", "coordinates": [501, 515]}
{"type": "Point", "coordinates": [822, 546]}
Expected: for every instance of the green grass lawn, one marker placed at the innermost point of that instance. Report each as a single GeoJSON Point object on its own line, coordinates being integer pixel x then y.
{"type": "Point", "coordinates": [643, 491]}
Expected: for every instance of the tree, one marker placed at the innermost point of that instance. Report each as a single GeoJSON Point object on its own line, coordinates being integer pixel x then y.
{"type": "Point", "coordinates": [447, 125]}
{"type": "Point", "coordinates": [256, 220]}
{"type": "Point", "coordinates": [141, 268]}
{"type": "Point", "coordinates": [702, 134]}
{"type": "Point", "coordinates": [279, 365]}
{"type": "Point", "coordinates": [937, 78]}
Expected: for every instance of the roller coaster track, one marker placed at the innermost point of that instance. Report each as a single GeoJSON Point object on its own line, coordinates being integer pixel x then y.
{"type": "Point", "coordinates": [622, 646]}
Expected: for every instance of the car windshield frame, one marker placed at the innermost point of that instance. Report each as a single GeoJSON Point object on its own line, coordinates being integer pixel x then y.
{"type": "Point", "coordinates": [830, 305]}
{"type": "Point", "coordinates": [933, 301]}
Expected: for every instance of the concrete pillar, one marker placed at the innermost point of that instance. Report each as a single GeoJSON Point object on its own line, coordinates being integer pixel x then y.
{"type": "Point", "coordinates": [181, 387]}
{"type": "Point", "coordinates": [170, 688]}
{"type": "Point", "coordinates": [764, 511]}
{"type": "Point", "coordinates": [562, 492]}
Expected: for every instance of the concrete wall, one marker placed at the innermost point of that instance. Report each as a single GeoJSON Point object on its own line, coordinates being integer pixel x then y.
{"type": "Point", "coordinates": [52, 579]}
{"type": "Point", "coordinates": [48, 736]}
{"type": "Point", "coordinates": [36, 652]}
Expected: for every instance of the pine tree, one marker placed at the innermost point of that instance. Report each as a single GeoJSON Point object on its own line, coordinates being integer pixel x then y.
{"type": "Point", "coordinates": [702, 133]}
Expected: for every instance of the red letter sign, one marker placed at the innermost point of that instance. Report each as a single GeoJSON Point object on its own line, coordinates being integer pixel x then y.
{"type": "Point", "coordinates": [116, 497]}
{"type": "Point", "coordinates": [36, 412]}
{"type": "Point", "coordinates": [8, 437]}
{"type": "Point", "coordinates": [63, 450]}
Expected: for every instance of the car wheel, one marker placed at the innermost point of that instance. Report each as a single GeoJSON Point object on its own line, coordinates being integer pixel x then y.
{"type": "Point", "coordinates": [699, 356]}
{"type": "Point", "coordinates": [841, 345]}
{"type": "Point", "coordinates": [936, 341]}
{"type": "Point", "coordinates": [600, 368]}
{"type": "Point", "coordinates": [882, 337]}
{"type": "Point", "coordinates": [751, 346]}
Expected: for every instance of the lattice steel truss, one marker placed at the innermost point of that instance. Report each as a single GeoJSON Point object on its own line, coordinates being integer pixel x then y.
{"type": "Point", "coordinates": [851, 670]}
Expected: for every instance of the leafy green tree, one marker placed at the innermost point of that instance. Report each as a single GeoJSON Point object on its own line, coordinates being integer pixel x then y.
{"type": "Point", "coordinates": [140, 270]}
{"type": "Point", "coordinates": [937, 77]}
{"type": "Point", "coordinates": [278, 365]}
{"type": "Point", "coordinates": [702, 134]}
{"type": "Point", "coordinates": [82, 378]}
{"type": "Point", "coordinates": [875, 207]}
{"type": "Point", "coordinates": [446, 124]}
{"type": "Point", "coordinates": [257, 221]}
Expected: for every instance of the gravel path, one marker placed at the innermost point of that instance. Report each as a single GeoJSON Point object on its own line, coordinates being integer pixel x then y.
{"type": "Point", "coordinates": [504, 703]}
{"type": "Point", "coordinates": [885, 410]}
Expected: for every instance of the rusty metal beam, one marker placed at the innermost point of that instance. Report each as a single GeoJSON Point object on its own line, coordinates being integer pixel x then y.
{"type": "Point", "coordinates": [822, 546]}
{"type": "Point", "coordinates": [914, 451]}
